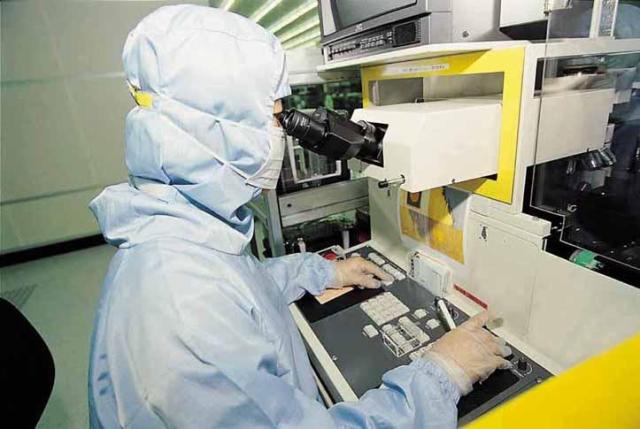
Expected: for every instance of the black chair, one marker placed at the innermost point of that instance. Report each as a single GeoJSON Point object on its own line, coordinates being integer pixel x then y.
{"type": "Point", "coordinates": [26, 370]}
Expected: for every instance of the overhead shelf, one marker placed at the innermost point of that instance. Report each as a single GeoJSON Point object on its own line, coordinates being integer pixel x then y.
{"type": "Point", "coordinates": [418, 52]}
{"type": "Point", "coordinates": [555, 48]}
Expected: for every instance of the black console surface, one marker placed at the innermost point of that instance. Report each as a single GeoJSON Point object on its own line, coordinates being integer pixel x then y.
{"type": "Point", "coordinates": [362, 360]}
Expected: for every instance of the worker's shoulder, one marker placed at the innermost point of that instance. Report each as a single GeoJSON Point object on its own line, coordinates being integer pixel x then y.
{"type": "Point", "coordinates": [181, 268]}
{"type": "Point", "coordinates": [172, 280]}
{"type": "Point", "coordinates": [172, 255]}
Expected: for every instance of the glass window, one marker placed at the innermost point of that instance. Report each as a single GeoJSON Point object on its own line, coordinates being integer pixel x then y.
{"type": "Point", "coordinates": [586, 177]}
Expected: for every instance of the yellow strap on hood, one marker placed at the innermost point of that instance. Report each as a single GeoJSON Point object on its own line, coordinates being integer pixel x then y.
{"type": "Point", "coordinates": [142, 98]}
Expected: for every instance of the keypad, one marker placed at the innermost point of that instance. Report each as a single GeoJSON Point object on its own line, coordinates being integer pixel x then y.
{"type": "Point", "coordinates": [397, 274]}
{"type": "Point", "coordinates": [403, 337]}
{"type": "Point", "coordinates": [384, 308]}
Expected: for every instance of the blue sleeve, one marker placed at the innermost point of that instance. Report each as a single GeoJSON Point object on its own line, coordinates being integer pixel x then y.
{"type": "Point", "coordinates": [419, 395]}
{"type": "Point", "coordinates": [299, 273]}
{"type": "Point", "coordinates": [229, 378]}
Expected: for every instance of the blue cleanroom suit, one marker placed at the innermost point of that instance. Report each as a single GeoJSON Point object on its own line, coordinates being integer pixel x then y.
{"type": "Point", "coordinates": [192, 331]}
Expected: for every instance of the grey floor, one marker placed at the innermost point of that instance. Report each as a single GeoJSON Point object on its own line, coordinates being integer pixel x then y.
{"type": "Point", "coordinates": [59, 295]}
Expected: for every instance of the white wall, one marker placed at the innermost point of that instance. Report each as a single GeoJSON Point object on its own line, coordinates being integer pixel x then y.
{"type": "Point", "coordinates": [63, 99]}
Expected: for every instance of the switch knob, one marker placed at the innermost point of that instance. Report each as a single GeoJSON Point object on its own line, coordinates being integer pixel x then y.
{"type": "Point", "coordinates": [522, 364]}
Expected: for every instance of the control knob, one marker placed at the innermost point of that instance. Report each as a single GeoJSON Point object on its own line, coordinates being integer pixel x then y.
{"type": "Point", "coordinates": [522, 364]}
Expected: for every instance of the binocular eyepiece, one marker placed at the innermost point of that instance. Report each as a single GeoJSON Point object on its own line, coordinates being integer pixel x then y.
{"type": "Point", "coordinates": [327, 133]}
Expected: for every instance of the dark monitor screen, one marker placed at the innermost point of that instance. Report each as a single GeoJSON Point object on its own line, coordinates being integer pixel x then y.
{"type": "Point", "coordinates": [351, 12]}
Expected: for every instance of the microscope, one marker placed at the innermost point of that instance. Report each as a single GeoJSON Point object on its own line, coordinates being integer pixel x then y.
{"type": "Point", "coordinates": [327, 133]}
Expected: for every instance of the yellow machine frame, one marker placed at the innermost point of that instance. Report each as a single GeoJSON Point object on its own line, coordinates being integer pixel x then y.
{"type": "Point", "coordinates": [509, 62]}
{"type": "Point", "coordinates": [599, 393]}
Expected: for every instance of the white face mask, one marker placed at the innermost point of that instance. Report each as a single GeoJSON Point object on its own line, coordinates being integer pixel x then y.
{"type": "Point", "coordinates": [267, 176]}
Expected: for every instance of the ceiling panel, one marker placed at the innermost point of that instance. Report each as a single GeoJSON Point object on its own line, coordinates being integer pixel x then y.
{"type": "Point", "coordinates": [294, 21]}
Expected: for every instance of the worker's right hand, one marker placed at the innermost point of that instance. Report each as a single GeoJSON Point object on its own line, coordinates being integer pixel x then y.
{"type": "Point", "coordinates": [469, 353]}
{"type": "Point", "coordinates": [359, 272]}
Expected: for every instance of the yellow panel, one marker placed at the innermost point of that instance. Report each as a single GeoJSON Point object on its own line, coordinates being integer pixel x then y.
{"type": "Point", "coordinates": [603, 392]}
{"type": "Point", "coordinates": [510, 62]}
{"type": "Point", "coordinates": [443, 235]}
{"type": "Point", "coordinates": [429, 220]}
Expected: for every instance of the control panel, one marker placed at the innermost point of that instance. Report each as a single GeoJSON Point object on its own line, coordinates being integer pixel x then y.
{"type": "Point", "coordinates": [371, 331]}
{"type": "Point", "coordinates": [379, 39]}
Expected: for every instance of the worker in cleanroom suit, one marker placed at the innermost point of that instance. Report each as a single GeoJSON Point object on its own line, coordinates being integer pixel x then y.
{"type": "Point", "coordinates": [192, 331]}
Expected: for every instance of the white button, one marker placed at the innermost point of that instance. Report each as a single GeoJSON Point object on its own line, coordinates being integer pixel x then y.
{"type": "Point", "coordinates": [399, 276]}
{"type": "Point", "coordinates": [433, 323]}
{"type": "Point", "coordinates": [370, 331]}
{"type": "Point", "coordinates": [406, 347]}
{"type": "Point", "coordinates": [387, 328]}
{"type": "Point", "coordinates": [420, 313]}
{"type": "Point", "coordinates": [423, 338]}
{"type": "Point", "coordinates": [417, 332]}
{"type": "Point", "coordinates": [374, 257]}
{"type": "Point", "coordinates": [397, 338]}
{"type": "Point", "coordinates": [411, 328]}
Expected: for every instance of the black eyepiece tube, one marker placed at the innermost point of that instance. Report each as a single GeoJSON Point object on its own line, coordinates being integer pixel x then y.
{"type": "Point", "coordinates": [371, 145]}
{"type": "Point", "coordinates": [301, 126]}
{"type": "Point", "coordinates": [327, 133]}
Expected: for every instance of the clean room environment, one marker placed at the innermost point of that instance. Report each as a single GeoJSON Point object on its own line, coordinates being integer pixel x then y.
{"type": "Point", "coordinates": [320, 213]}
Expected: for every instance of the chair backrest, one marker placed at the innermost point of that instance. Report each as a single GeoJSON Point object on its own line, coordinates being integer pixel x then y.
{"type": "Point", "coordinates": [27, 370]}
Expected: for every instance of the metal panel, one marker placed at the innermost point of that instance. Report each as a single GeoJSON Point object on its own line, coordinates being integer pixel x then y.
{"type": "Point", "coordinates": [510, 62]}
{"type": "Point", "coordinates": [572, 122]}
{"type": "Point", "coordinates": [502, 270]}
{"type": "Point", "coordinates": [350, 363]}
{"type": "Point", "coordinates": [324, 195]}
{"type": "Point", "coordinates": [319, 202]}
{"type": "Point", "coordinates": [577, 313]}
{"type": "Point", "coordinates": [422, 146]}
{"type": "Point", "coordinates": [333, 378]}
{"type": "Point", "coordinates": [517, 12]}
{"type": "Point", "coordinates": [323, 211]}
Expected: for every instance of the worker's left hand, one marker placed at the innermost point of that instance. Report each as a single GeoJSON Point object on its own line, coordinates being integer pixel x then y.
{"type": "Point", "coordinates": [357, 271]}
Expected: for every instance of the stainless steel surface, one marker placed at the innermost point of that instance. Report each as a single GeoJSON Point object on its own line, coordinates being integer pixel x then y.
{"type": "Point", "coordinates": [323, 201]}
{"type": "Point", "coordinates": [322, 196]}
{"type": "Point", "coordinates": [323, 211]}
